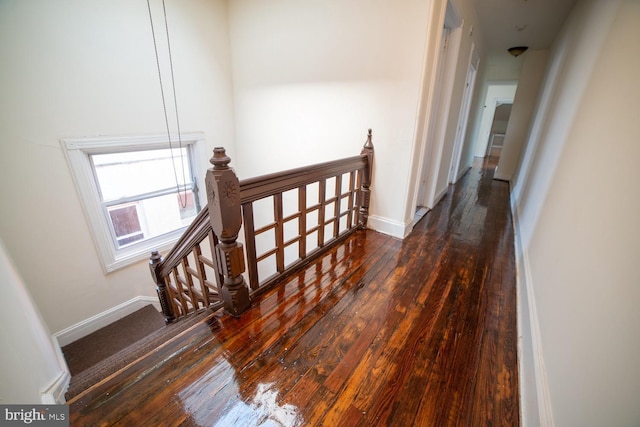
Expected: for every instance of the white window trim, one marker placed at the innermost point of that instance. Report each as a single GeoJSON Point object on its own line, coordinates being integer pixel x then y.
{"type": "Point", "coordinates": [77, 152]}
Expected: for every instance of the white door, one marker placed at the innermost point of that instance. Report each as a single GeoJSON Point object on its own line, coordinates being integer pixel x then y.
{"type": "Point", "coordinates": [423, 194]}
{"type": "Point", "coordinates": [464, 116]}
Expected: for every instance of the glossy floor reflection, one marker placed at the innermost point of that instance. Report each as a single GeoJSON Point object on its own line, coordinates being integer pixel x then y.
{"type": "Point", "coordinates": [378, 332]}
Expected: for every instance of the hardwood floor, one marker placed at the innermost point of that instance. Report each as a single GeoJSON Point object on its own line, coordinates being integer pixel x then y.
{"type": "Point", "coordinates": [418, 332]}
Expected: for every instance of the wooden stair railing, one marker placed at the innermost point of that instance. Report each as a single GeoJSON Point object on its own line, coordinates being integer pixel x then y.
{"type": "Point", "coordinates": [196, 274]}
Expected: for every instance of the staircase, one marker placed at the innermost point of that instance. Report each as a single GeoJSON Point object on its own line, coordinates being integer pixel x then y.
{"type": "Point", "coordinates": [287, 218]}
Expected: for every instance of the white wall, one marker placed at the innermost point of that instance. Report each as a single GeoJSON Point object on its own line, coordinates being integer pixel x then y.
{"type": "Point", "coordinates": [311, 77]}
{"type": "Point", "coordinates": [75, 68]}
{"type": "Point", "coordinates": [32, 370]}
{"type": "Point", "coordinates": [501, 118]}
{"type": "Point", "coordinates": [503, 67]}
{"type": "Point", "coordinates": [577, 201]}
{"type": "Point", "coordinates": [524, 102]}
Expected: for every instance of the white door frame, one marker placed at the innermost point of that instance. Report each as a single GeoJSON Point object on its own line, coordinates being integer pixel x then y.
{"type": "Point", "coordinates": [463, 118]}
{"type": "Point", "coordinates": [433, 122]}
{"type": "Point", "coordinates": [437, 122]}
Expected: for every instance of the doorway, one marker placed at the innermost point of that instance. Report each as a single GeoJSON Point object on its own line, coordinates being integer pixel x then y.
{"type": "Point", "coordinates": [498, 129]}
{"type": "Point", "coordinates": [454, 169]}
{"type": "Point", "coordinates": [428, 194]}
{"type": "Point", "coordinates": [498, 93]}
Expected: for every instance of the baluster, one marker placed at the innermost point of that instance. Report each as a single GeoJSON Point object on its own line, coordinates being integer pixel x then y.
{"type": "Point", "coordinates": [365, 183]}
{"type": "Point", "coordinates": [161, 287]}
{"type": "Point", "coordinates": [250, 241]}
{"type": "Point", "coordinates": [350, 217]}
{"type": "Point", "coordinates": [223, 194]}
{"type": "Point", "coordinates": [279, 231]}
{"type": "Point", "coordinates": [202, 276]}
{"type": "Point", "coordinates": [302, 221]}
{"type": "Point", "coordinates": [180, 291]}
{"type": "Point", "coordinates": [322, 197]}
{"type": "Point", "coordinates": [193, 295]}
{"type": "Point", "coordinates": [213, 243]}
{"type": "Point", "coordinates": [336, 207]}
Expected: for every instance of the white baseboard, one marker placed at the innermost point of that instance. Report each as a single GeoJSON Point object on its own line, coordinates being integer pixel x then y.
{"type": "Point", "coordinates": [440, 195]}
{"type": "Point", "coordinates": [389, 226]}
{"type": "Point", "coordinates": [462, 172]}
{"type": "Point", "coordinates": [529, 328]}
{"type": "Point", "coordinates": [498, 175]}
{"type": "Point", "coordinates": [100, 320]}
{"type": "Point", "coordinates": [54, 393]}
{"type": "Point", "coordinates": [420, 213]}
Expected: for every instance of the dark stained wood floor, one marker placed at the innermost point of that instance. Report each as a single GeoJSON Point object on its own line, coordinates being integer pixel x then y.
{"type": "Point", "coordinates": [419, 332]}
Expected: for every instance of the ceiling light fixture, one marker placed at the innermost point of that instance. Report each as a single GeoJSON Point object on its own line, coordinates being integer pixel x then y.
{"type": "Point", "coordinates": [517, 50]}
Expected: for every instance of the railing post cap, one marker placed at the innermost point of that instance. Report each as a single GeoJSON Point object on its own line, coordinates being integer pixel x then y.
{"type": "Point", "coordinates": [220, 160]}
{"type": "Point", "coordinates": [367, 148]}
{"type": "Point", "coordinates": [369, 142]}
{"type": "Point", "coordinates": [155, 257]}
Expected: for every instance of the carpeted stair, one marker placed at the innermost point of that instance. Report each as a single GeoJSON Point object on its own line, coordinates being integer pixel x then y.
{"type": "Point", "coordinates": [107, 350]}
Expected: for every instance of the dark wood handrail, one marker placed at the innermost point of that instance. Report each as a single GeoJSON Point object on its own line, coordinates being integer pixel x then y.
{"type": "Point", "coordinates": [259, 187]}
{"type": "Point", "coordinates": [221, 219]}
{"type": "Point", "coordinates": [194, 234]}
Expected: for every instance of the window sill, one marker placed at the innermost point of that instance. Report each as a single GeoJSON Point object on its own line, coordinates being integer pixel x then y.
{"type": "Point", "coordinates": [127, 256]}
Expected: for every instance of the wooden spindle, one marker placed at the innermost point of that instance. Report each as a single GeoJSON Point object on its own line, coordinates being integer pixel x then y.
{"type": "Point", "coordinates": [302, 221]}
{"type": "Point", "coordinates": [161, 287]}
{"type": "Point", "coordinates": [336, 207]}
{"type": "Point", "coordinates": [322, 200]}
{"type": "Point", "coordinates": [365, 183]}
{"type": "Point", "coordinates": [250, 242]}
{"type": "Point", "coordinates": [223, 194]}
{"type": "Point", "coordinates": [201, 275]}
{"type": "Point", "coordinates": [279, 231]}
{"type": "Point", "coordinates": [352, 186]}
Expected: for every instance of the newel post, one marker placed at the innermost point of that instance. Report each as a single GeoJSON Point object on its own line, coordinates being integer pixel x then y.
{"type": "Point", "coordinates": [161, 287]}
{"type": "Point", "coordinates": [223, 194]}
{"type": "Point", "coordinates": [364, 192]}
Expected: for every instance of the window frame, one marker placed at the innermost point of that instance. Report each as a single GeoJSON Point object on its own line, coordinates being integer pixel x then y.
{"type": "Point", "coordinates": [78, 152]}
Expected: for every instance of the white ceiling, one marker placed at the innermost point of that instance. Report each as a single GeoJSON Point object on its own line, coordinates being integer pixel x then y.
{"type": "Point", "coordinates": [532, 23]}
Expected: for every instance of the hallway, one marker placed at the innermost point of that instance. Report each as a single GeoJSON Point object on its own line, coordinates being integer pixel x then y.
{"type": "Point", "coordinates": [377, 332]}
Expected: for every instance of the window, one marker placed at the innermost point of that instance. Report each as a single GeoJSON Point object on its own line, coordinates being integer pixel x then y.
{"type": "Point", "coordinates": [147, 193]}
{"type": "Point", "coordinates": [138, 194]}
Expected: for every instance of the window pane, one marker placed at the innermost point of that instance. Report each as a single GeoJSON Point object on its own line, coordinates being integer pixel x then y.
{"type": "Point", "coordinates": [186, 205]}
{"type": "Point", "coordinates": [152, 217]}
{"type": "Point", "coordinates": [125, 220]}
{"type": "Point", "coordinates": [126, 224]}
{"type": "Point", "coordinates": [127, 174]}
